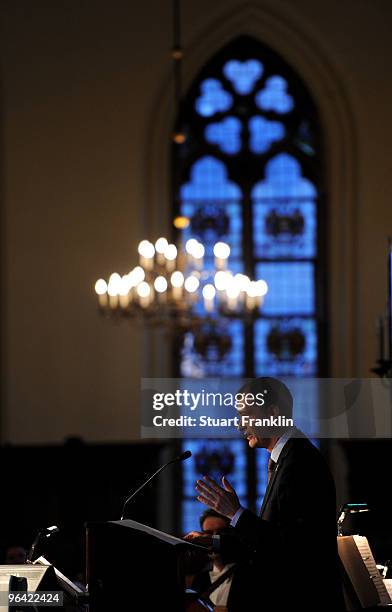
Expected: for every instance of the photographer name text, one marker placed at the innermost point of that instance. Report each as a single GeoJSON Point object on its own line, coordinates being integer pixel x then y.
{"type": "Point", "coordinates": [209, 421]}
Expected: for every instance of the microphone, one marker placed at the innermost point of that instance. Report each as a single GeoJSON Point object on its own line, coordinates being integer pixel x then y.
{"type": "Point", "coordinates": [182, 457]}
{"type": "Point", "coordinates": [46, 532]}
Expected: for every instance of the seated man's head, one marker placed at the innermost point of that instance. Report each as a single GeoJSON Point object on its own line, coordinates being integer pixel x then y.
{"type": "Point", "coordinates": [213, 523]}
{"type": "Point", "coordinates": [271, 399]}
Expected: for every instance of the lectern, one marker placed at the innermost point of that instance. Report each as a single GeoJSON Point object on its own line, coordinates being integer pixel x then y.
{"type": "Point", "coordinates": [128, 563]}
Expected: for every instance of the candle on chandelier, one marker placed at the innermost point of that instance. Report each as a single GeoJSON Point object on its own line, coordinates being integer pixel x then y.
{"type": "Point", "coordinates": [177, 281]}
{"type": "Point", "coordinates": [146, 254]}
{"type": "Point", "coordinates": [189, 248]}
{"type": "Point", "coordinates": [114, 289]}
{"type": "Point", "coordinates": [251, 296]}
{"type": "Point", "coordinates": [191, 286]}
{"type": "Point", "coordinates": [170, 257]}
{"type": "Point", "coordinates": [136, 276]}
{"type": "Point", "coordinates": [233, 293]}
{"type": "Point", "coordinates": [160, 247]}
{"type": "Point", "coordinates": [209, 293]}
{"type": "Point", "coordinates": [221, 252]}
{"type": "Point", "coordinates": [262, 289]}
{"type": "Point", "coordinates": [160, 286]}
{"type": "Point", "coordinates": [124, 291]}
{"type": "Point", "coordinates": [145, 294]}
{"type": "Point", "coordinates": [198, 255]}
{"type": "Point", "coordinates": [101, 289]}
{"type": "Point", "coordinates": [222, 280]}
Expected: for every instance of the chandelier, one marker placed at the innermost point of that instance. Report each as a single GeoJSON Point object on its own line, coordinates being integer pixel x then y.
{"type": "Point", "coordinates": [184, 285]}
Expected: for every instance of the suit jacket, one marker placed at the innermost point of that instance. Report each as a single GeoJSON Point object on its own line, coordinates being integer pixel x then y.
{"type": "Point", "coordinates": [289, 552]}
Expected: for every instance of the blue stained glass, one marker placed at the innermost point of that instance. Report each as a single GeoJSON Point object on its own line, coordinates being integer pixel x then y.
{"type": "Point", "coordinates": [306, 403]}
{"type": "Point", "coordinates": [213, 98]}
{"type": "Point", "coordinates": [283, 179]}
{"type": "Point", "coordinates": [274, 96]}
{"type": "Point", "coordinates": [262, 457]}
{"type": "Point", "coordinates": [243, 75]}
{"type": "Point", "coordinates": [226, 134]}
{"type": "Point", "coordinates": [233, 236]}
{"type": "Point", "coordinates": [286, 228]}
{"type": "Point", "coordinates": [210, 192]}
{"type": "Point", "coordinates": [263, 133]}
{"type": "Point", "coordinates": [194, 365]}
{"type": "Point", "coordinates": [285, 356]}
{"type": "Point", "coordinates": [290, 287]}
{"type": "Point", "coordinates": [209, 182]}
{"type": "Point", "coordinates": [233, 450]}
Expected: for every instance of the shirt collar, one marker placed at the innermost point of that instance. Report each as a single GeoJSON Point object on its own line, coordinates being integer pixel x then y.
{"type": "Point", "coordinates": [275, 453]}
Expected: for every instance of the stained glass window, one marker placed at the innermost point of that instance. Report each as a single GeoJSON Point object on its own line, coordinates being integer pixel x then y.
{"type": "Point", "coordinates": [284, 229]}
{"type": "Point", "coordinates": [291, 287]}
{"type": "Point", "coordinates": [274, 96]}
{"type": "Point", "coordinates": [286, 346]}
{"type": "Point", "coordinates": [213, 98]}
{"type": "Point", "coordinates": [226, 134]}
{"type": "Point", "coordinates": [243, 75]}
{"type": "Point", "coordinates": [263, 133]}
{"type": "Point", "coordinates": [250, 173]}
{"type": "Point", "coordinates": [209, 199]}
{"type": "Point", "coordinates": [215, 457]}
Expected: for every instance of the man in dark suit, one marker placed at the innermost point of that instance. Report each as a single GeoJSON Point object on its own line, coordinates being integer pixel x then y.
{"type": "Point", "coordinates": [288, 554]}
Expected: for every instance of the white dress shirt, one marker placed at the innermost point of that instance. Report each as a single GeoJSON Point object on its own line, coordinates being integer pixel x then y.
{"type": "Point", "coordinates": [220, 596]}
{"type": "Point", "coordinates": [275, 454]}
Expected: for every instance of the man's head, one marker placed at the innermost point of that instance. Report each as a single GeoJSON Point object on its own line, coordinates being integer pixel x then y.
{"type": "Point", "coordinates": [276, 400]}
{"type": "Point", "coordinates": [213, 523]}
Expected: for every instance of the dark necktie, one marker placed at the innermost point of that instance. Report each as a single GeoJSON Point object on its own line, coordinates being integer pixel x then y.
{"type": "Point", "coordinates": [271, 468]}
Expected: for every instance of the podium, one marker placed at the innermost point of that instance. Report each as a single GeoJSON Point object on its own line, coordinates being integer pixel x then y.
{"type": "Point", "coordinates": [127, 562]}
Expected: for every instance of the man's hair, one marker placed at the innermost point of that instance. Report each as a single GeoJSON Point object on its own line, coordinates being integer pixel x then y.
{"type": "Point", "coordinates": [275, 393]}
{"type": "Point", "coordinates": [212, 513]}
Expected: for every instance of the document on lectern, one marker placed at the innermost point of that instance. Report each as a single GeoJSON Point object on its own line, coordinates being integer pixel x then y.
{"type": "Point", "coordinates": [161, 535]}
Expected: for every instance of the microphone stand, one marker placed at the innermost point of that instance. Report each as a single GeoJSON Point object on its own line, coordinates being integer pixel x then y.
{"type": "Point", "coordinates": [181, 457]}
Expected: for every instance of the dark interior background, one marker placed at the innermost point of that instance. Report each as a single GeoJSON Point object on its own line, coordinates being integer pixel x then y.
{"type": "Point", "coordinates": [76, 483]}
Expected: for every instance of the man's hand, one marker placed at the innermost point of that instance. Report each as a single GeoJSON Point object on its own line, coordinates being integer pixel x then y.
{"type": "Point", "coordinates": [223, 500]}
{"type": "Point", "coordinates": [198, 537]}
{"type": "Point", "coordinates": [192, 535]}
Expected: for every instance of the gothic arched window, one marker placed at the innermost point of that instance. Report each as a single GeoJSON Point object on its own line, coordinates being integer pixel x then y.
{"type": "Point", "coordinates": [250, 173]}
